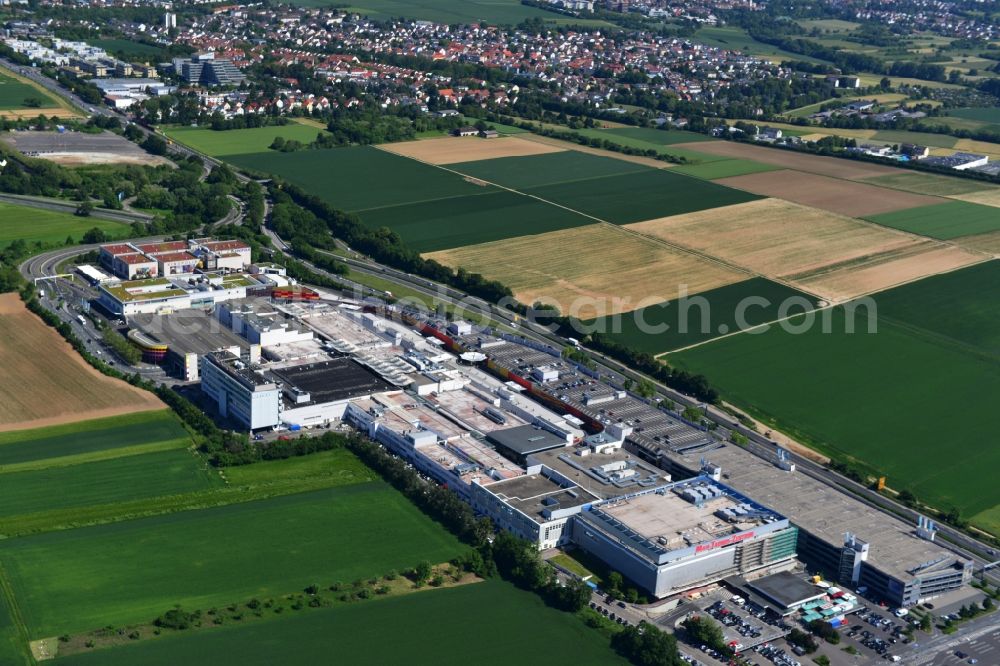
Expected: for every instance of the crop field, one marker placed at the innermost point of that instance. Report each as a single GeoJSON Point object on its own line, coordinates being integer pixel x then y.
{"type": "Point", "coordinates": [591, 271]}
{"type": "Point", "coordinates": [430, 226]}
{"type": "Point", "coordinates": [922, 138]}
{"type": "Point", "coordinates": [936, 442]}
{"type": "Point", "coordinates": [657, 136]}
{"type": "Point", "coordinates": [360, 178]}
{"type": "Point", "coordinates": [678, 323]}
{"type": "Point", "coordinates": [503, 12]}
{"type": "Point", "coordinates": [932, 184]}
{"type": "Point", "coordinates": [990, 197]}
{"type": "Point", "coordinates": [452, 626]}
{"type": "Point", "coordinates": [830, 194]}
{"type": "Point", "coordinates": [242, 141]}
{"type": "Point", "coordinates": [988, 114]}
{"type": "Point", "coordinates": [787, 159]}
{"type": "Point", "coordinates": [786, 241]}
{"type": "Point", "coordinates": [737, 39]}
{"type": "Point", "coordinates": [520, 173]}
{"type": "Point", "coordinates": [988, 243]}
{"type": "Point", "coordinates": [55, 384]}
{"type": "Point", "coordinates": [450, 149]}
{"type": "Point", "coordinates": [144, 431]}
{"type": "Point", "coordinates": [640, 196]}
{"type": "Point", "coordinates": [103, 482]}
{"type": "Point", "coordinates": [14, 93]}
{"type": "Point", "coordinates": [724, 169]}
{"type": "Point", "coordinates": [48, 226]}
{"type": "Point", "coordinates": [650, 139]}
{"type": "Point", "coordinates": [73, 580]}
{"type": "Point", "coordinates": [947, 220]}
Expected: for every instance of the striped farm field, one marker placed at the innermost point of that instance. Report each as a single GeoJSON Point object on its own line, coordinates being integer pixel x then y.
{"type": "Point", "coordinates": [520, 173]}
{"type": "Point", "coordinates": [591, 271]}
{"type": "Point", "coordinates": [942, 330]}
{"type": "Point", "coordinates": [72, 581]}
{"type": "Point", "coordinates": [724, 169]}
{"type": "Point", "coordinates": [451, 149]}
{"type": "Point", "coordinates": [933, 184]}
{"type": "Point", "coordinates": [55, 385]}
{"type": "Point", "coordinates": [947, 220]}
{"type": "Point", "coordinates": [831, 256]}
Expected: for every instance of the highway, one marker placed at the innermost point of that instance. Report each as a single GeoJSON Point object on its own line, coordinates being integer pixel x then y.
{"type": "Point", "coordinates": [65, 206]}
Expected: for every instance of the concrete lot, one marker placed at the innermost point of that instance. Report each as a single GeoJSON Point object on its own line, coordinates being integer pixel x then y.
{"type": "Point", "coordinates": [78, 148]}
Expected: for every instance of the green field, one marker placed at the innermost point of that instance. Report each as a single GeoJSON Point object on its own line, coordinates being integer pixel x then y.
{"type": "Point", "coordinates": [13, 93]}
{"type": "Point", "coordinates": [932, 184]}
{"type": "Point", "coordinates": [649, 139]}
{"type": "Point", "coordinates": [241, 141]}
{"type": "Point", "coordinates": [990, 114]}
{"type": "Point", "coordinates": [657, 136]}
{"type": "Point", "coordinates": [484, 623]}
{"type": "Point", "coordinates": [103, 482]}
{"type": "Point", "coordinates": [922, 138]}
{"type": "Point", "coordinates": [84, 437]}
{"type": "Point", "coordinates": [132, 50]}
{"type": "Point", "coordinates": [47, 226]}
{"type": "Point", "coordinates": [709, 314]}
{"type": "Point", "coordinates": [509, 12]}
{"type": "Point", "coordinates": [536, 170]}
{"type": "Point", "coordinates": [724, 169]}
{"type": "Point", "coordinates": [737, 39]}
{"type": "Point", "coordinates": [947, 220]}
{"type": "Point", "coordinates": [360, 178]}
{"type": "Point", "coordinates": [640, 196]}
{"type": "Point", "coordinates": [82, 579]}
{"type": "Point", "coordinates": [914, 400]}
{"type": "Point", "coordinates": [448, 223]}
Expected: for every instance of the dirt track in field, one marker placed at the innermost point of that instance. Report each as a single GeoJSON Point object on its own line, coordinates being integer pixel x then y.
{"type": "Point", "coordinates": [831, 194]}
{"type": "Point", "coordinates": [47, 383]}
{"type": "Point", "coordinates": [827, 166]}
{"type": "Point", "coordinates": [455, 149]}
{"type": "Point", "coordinates": [591, 271]}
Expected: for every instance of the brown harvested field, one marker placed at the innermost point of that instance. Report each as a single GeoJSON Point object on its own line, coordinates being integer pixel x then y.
{"type": "Point", "coordinates": [986, 197]}
{"type": "Point", "coordinates": [826, 166]}
{"type": "Point", "coordinates": [778, 239]}
{"type": "Point", "coordinates": [833, 194]}
{"type": "Point", "coordinates": [591, 271]}
{"type": "Point", "coordinates": [989, 243]}
{"type": "Point", "coordinates": [890, 270]}
{"type": "Point", "coordinates": [48, 112]}
{"type": "Point", "coordinates": [566, 145]}
{"type": "Point", "coordinates": [983, 147]}
{"type": "Point", "coordinates": [453, 149]}
{"type": "Point", "coordinates": [47, 383]}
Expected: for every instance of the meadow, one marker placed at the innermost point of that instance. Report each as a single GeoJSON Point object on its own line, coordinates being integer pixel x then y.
{"type": "Point", "coordinates": [640, 196]}
{"type": "Point", "coordinates": [359, 178]}
{"type": "Point", "coordinates": [508, 12]}
{"type": "Point", "coordinates": [989, 114]}
{"type": "Point", "coordinates": [134, 431]}
{"type": "Point", "coordinates": [702, 317]}
{"type": "Point", "coordinates": [944, 221]}
{"type": "Point", "coordinates": [926, 183]}
{"type": "Point", "coordinates": [242, 141]}
{"type": "Point", "coordinates": [430, 226]}
{"type": "Point", "coordinates": [14, 92]}
{"type": "Point", "coordinates": [49, 227]}
{"type": "Point", "coordinates": [73, 580]}
{"type": "Point", "coordinates": [737, 39]}
{"type": "Point", "coordinates": [103, 482]}
{"type": "Point", "coordinates": [913, 401]}
{"type": "Point", "coordinates": [481, 619]}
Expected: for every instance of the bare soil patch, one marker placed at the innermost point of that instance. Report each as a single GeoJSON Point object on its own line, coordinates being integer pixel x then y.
{"type": "Point", "coordinates": [831, 194]}
{"type": "Point", "coordinates": [48, 112]}
{"type": "Point", "coordinates": [826, 166]}
{"type": "Point", "coordinates": [778, 239]}
{"type": "Point", "coordinates": [591, 271]}
{"type": "Point", "coordinates": [47, 383]}
{"type": "Point", "coordinates": [453, 149]}
{"type": "Point", "coordinates": [86, 159]}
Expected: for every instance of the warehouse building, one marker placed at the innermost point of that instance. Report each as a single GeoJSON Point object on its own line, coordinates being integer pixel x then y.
{"type": "Point", "coordinates": [536, 507]}
{"type": "Point", "coordinates": [518, 443]}
{"type": "Point", "coordinates": [240, 390]}
{"type": "Point", "coordinates": [864, 549]}
{"type": "Point", "coordinates": [180, 339]}
{"type": "Point", "coordinates": [685, 535]}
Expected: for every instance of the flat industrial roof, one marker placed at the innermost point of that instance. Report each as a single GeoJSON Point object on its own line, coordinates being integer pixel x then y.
{"type": "Point", "coordinates": [786, 589]}
{"type": "Point", "coordinates": [188, 331]}
{"type": "Point", "coordinates": [588, 470]}
{"type": "Point", "coordinates": [526, 439]}
{"type": "Point", "coordinates": [822, 510]}
{"type": "Point", "coordinates": [534, 494]}
{"type": "Point", "coordinates": [334, 379]}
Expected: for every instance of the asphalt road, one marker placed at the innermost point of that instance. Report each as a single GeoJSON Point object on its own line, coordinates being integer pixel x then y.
{"type": "Point", "coordinates": [64, 206]}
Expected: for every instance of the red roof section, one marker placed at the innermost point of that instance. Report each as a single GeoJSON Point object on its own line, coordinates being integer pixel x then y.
{"type": "Point", "coordinates": [118, 248]}
{"type": "Point", "coordinates": [176, 256]}
{"type": "Point", "coordinates": [135, 259]}
{"type": "Point", "coordinates": [220, 246]}
{"type": "Point", "coordinates": [168, 246]}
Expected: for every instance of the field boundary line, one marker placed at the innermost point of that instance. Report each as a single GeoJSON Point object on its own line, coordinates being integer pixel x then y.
{"type": "Point", "coordinates": [357, 211]}
{"type": "Point", "coordinates": [7, 590]}
{"type": "Point", "coordinates": [94, 456]}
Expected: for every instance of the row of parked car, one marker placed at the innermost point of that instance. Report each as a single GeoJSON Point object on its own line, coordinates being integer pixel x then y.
{"type": "Point", "coordinates": [611, 615]}
{"type": "Point", "coordinates": [776, 654]}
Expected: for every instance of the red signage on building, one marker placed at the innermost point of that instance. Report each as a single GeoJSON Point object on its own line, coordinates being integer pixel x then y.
{"type": "Point", "coordinates": [728, 541]}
